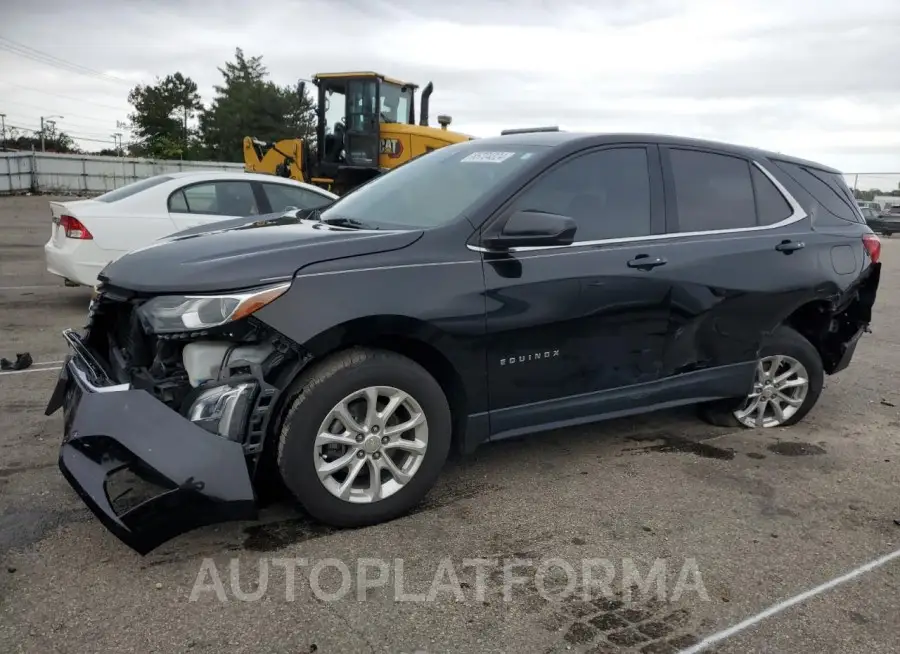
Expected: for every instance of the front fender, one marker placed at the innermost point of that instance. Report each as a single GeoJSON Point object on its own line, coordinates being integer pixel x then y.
{"type": "Point", "coordinates": [440, 304]}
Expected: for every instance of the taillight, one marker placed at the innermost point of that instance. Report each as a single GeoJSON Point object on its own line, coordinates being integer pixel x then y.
{"type": "Point", "coordinates": [873, 246]}
{"type": "Point", "coordinates": [74, 229]}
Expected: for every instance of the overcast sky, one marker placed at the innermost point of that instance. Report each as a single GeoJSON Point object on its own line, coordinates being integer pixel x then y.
{"type": "Point", "coordinates": [815, 78]}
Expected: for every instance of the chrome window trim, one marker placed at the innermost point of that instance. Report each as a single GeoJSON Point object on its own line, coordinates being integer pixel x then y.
{"type": "Point", "coordinates": [797, 215]}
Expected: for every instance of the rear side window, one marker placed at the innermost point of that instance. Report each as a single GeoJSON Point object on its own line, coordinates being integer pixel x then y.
{"type": "Point", "coordinates": [224, 198]}
{"type": "Point", "coordinates": [829, 189]}
{"type": "Point", "coordinates": [771, 207]}
{"type": "Point", "coordinates": [130, 189]}
{"type": "Point", "coordinates": [712, 191]}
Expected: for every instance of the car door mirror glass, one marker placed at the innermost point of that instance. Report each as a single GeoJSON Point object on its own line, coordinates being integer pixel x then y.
{"type": "Point", "coordinates": [532, 229]}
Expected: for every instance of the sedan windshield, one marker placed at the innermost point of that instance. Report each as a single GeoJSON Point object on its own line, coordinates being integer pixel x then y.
{"type": "Point", "coordinates": [433, 189]}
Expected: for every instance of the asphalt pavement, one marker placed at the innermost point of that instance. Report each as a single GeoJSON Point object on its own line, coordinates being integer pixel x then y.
{"type": "Point", "coordinates": [646, 534]}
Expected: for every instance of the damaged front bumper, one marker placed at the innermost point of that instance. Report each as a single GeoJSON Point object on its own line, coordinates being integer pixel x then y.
{"type": "Point", "coordinates": [147, 472]}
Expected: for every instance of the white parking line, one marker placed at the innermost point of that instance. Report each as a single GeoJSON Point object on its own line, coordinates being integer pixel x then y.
{"type": "Point", "coordinates": [781, 606]}
{"type": "Point", "coordinates": [22, 372]}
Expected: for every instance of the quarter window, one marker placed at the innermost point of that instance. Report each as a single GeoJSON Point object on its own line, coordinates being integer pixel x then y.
{"type": "Point", "coordinates": [607, 193]}
{"type": "Point", "coordinates": [829, 189]}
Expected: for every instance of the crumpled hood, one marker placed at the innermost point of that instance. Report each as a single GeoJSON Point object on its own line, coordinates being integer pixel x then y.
{"type": "Point", "coordinates": [242, 253]}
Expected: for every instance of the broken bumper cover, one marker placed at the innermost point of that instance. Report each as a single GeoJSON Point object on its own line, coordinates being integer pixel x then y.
{"type": "Point", "coordinates": [146, 472]}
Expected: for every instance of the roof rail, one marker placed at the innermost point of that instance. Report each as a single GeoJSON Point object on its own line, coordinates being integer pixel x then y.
{"type": "Point", "coordinates": [529, 130]}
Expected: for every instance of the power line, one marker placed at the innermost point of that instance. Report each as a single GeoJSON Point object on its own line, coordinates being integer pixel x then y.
{"type": "Point", "coordinates": [55, 109]}
{"type": "Point", "coordinates": [42, 57]}
{"type": "Point", "coordinates": [66, 97]}
{"type": "Point", "coordinates": [82, 129]}
{"type": "Point", "coordinates": [69, 134]}
{"type": "Point", "coordinates": [38, 129]}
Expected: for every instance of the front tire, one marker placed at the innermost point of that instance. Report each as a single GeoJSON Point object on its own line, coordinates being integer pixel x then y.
{"type": "Point", "coordinates": [788, 381]}
{"type": "Point", "coordinates": [365, 437]}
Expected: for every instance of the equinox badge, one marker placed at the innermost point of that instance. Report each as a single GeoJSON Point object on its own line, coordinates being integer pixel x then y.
{"type": "Point", "coordinates": [525, 358]}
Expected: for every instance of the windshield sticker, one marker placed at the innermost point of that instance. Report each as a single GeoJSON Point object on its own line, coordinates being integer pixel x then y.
{"type": "Point", "coordinates": [487, 157]}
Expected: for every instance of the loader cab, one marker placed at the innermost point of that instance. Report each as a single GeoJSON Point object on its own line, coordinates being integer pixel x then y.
{"type": "Point", "coordinates": [351, 109]}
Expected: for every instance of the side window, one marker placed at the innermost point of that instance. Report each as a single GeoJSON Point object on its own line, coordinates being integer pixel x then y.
{"type": "Point", "coordinates": [607, 193]}
{"type": "Point", "coordinates": [226, 198]}
{"type": "Point", "coordinates": [282, 196]}
{"type": "Point", "coordinates": [771, 207]}
{"type": "Point", "coordinates": [177, 202]}
{"type": "Point", "coordinates": [712, 191]}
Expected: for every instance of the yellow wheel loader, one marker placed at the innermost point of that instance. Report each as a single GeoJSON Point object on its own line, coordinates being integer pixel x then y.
{"type": "Point", "coordinates": [365, 125]}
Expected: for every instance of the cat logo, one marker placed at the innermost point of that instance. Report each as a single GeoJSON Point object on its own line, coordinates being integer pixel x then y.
{"type": "Point", "coordinates": [391, 147]}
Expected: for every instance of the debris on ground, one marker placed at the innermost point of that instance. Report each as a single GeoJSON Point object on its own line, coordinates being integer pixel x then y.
{"type": "Point", "coordinates": [886, 403]}
{"type": "Point", "coordinates": [22, 361]}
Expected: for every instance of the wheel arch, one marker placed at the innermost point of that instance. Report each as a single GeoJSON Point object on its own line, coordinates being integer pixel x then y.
{"type": "Point", "coordinates": [829, 324]}
{"type": "Point", "coordinates": [409, 337]}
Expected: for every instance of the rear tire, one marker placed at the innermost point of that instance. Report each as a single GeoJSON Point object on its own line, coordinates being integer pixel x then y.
{"type": "Point", "coordinates": [324, 429]}
{"type": "Point", "coordinates": [784, 348]}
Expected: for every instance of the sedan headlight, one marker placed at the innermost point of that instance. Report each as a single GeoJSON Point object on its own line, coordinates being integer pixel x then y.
{"type": "Point", "coordinates": [178, 313]}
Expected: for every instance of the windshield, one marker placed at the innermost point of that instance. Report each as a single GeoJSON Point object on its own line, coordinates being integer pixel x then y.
{"type": "Point", "coordinates": [434, 188]}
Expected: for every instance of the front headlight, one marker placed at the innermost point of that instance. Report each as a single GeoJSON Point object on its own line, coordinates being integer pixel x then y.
{"type": "Point", "coordinates": [178, 313]}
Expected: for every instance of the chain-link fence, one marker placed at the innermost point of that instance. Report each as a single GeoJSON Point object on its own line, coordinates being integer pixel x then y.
{"type": "Point", "coordinates": [881, 188]}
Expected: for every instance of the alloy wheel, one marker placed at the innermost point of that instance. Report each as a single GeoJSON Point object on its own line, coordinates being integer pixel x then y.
{"type": "Point", "coordinates": [779, 389]}
{"type": "Point", "coordinates": [371, 444]}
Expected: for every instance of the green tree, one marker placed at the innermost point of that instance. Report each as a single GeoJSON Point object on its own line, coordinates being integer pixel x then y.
{"type": "Point", "coordinates": [247, 103]}
{"type": "Point", "coordinates": [55, 140]}
{"type": "Point", "coordinates": [162, 118]}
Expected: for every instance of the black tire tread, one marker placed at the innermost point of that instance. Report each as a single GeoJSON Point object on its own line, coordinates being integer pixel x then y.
{"type": "Point", "coordinates": [323, 371]}
{"type": "Point", "coordinates": [317, 374]}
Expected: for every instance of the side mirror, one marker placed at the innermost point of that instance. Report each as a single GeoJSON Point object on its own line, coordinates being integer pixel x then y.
{"type": "Point", "coordinates": [531, 229]}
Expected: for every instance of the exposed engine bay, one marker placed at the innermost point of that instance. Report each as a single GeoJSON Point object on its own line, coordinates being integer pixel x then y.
{"type": "Point", "coordinates": [224, 379]}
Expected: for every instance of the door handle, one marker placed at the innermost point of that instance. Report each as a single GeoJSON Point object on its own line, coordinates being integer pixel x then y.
{"type": "Point", "coordinates": [644, 262]}
{"type": "Point", "coordinates": [787, 246]}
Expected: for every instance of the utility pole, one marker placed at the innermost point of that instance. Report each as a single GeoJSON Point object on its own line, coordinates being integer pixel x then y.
{"type": "Point", "coordinates": [2, 131]}
{"type": "Point", "coordinates": [184, 133]}
{"type": "Point", "coordinates": [47, 119]}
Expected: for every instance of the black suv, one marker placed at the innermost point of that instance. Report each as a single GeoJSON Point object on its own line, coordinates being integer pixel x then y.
{"type": "Point", "coordinates": [485, 290]}
{"type": "Point", "coordinates": [886, 222]}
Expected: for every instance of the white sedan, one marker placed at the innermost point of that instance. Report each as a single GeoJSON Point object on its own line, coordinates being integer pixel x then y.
{"type": "Point", "coordinates": [88, 234]}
